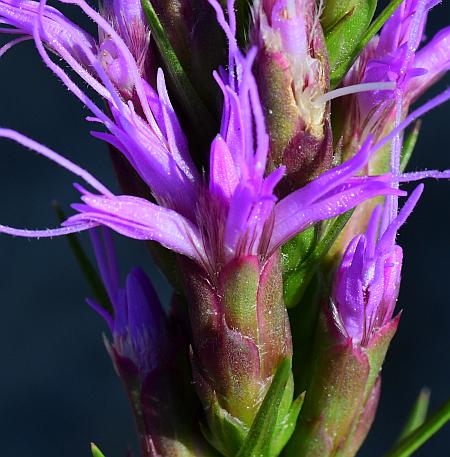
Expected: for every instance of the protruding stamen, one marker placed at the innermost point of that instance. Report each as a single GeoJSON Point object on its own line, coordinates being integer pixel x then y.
{"type": "Point", "coordinates": [433, 103]}
{"type": "Point", "coordinates": [12, 43]}
{"type": "Point", "coordinates": [47, 233]}
{"type": "Point", "coordinates": [354, 89]}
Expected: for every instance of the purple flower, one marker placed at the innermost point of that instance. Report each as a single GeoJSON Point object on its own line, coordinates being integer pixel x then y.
{"type": "Point", "coordinates": [434, 59]}
{"type": "Point", "coordinates": [148, 353]}
{"type": "Point", "coordinates": [395, 56]}
{"type": "Point", "coordinates": [237, 213]}
{"type": "Point", "coordinates": [138, 323]}
{"type": "Point", "coordinates": [391, 58]}
{"type": "Point", "coordinates": [127, 19]}
{"type": "Point", "coordinates": [367, 282]}
{"type": "Point", "coordinates": [90, 58]}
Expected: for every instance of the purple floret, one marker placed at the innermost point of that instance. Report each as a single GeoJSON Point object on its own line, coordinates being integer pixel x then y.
{"type": "Point", "coordinates": [138, 321]}
{"type": "Point", "coordinates": [367, 282]}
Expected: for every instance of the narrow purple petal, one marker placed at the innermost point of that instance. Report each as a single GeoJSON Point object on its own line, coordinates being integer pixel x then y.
{"type": "Point", "coordinates": [331, 178]}
{"type": "Point", "coordinates": [106, 261]}
{"type": "Point", "coordinates": [48, 233]}
{"type": "Point", "coordinates": [240, 208]}
{"type": "Point", "coordinates": [5, 48]}
{"type": "Point", "coordinates": [372, 229]}
{"type": "Point", "coordinates": [353, 315]}
{"type": "Point", "coordinates": [145, 319]}
{"type": "Point", "coordinates": [435, 59]}
{"type": "Point", "coordinates": [223, 177]}
{"type": "Point", "coordinates": [293, 216]}
{"type": "Point", "coordinates": [388, 237]}
{"type": "Point", "coordinates": [137, 218]}
{"type": "Point", "coordinates": [431, 104]}
{"type": "Point", "coordinates": [101, 311]}
{"type": "Point", "coordinates": [392, 278]}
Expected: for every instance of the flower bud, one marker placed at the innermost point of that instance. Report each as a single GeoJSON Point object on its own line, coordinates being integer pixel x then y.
{"type": "Point", "coordinates": [240, 335]}
{"type": "Point", "coordinates": [352, 337]}
{"type": "Point", "coordinates": [149, 354]}
{"type": "Point", "coordinates": [343, 391]}
{"type": "Point", "coordinates": [291, 69]}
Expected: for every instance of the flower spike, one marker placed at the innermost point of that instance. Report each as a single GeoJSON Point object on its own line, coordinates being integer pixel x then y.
{"type": "Point", "coordinates": [270, 178]}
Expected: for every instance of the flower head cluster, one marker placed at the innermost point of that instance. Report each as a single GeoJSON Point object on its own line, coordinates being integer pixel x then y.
{"type": "Point", "coordinates": [237, 213]}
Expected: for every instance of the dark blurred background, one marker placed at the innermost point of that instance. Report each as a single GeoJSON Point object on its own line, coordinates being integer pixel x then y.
{"type": "Point", "coordinates": [58, 391]}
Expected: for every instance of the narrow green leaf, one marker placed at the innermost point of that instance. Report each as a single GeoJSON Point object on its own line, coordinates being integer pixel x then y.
{"type": "Point", "coordinates": [332, 232]}
{"type": "Point", "coordinates": [296, 250]}
{"type": "Point", "coordinates": [89, 272]}
{"type": "Point", "coordinates": [258, 440]}
{"type": "Point", "coordinates": [198, 114]}
{"type": "Point", "coordinates": [409, 145]}
{"type": "Point", "coordinates": [96, 452]}
{"type": "Point", "coordinates": [286, 428]}
{"type": "Point", "coordinates": [340, 70]}
{"type": "Point", "coordinates": [418, 413]}
{"type": "Point", "coordinates": [344, 23]}
{"type": "Point", "coordinates": [419, 436]}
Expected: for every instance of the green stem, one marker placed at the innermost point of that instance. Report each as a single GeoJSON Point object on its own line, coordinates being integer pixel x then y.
{"type": "Point", "coordinates": [422, 434]}
{"type": "Point", "coordinates": [418, 414]}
